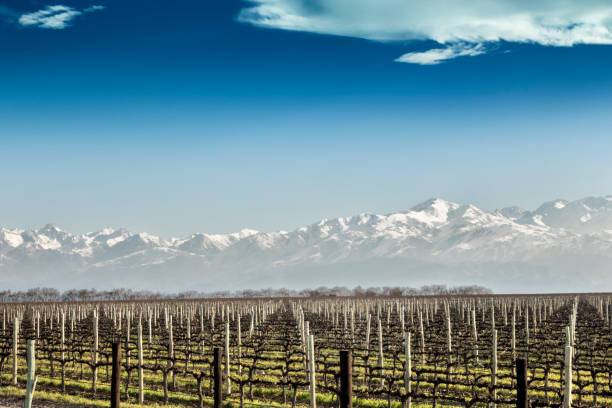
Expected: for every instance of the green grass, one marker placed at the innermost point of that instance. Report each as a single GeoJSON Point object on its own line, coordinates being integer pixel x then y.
{"type": "Point", "coordinates": [271, 394]}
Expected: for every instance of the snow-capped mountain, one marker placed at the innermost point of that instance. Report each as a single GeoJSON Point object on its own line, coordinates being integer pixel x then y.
{"type": "Point", "coordinates": [561, 245]}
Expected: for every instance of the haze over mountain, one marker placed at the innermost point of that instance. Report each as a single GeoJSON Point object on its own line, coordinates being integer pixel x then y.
{"type": "Point", "coordinates": [561, 246]}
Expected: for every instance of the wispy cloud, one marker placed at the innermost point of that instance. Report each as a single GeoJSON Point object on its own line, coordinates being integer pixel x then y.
{"type": "Point", "coordinates": [91, 9]}
{"type": "Point", "coordinates": [54, 17]}
{"type": "Point", "coordinates": [461, 25]}
{"type": "Point", "coordinates": [438, 55]}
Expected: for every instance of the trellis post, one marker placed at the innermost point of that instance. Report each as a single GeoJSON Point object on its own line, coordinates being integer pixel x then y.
{"type": "Point", "coordinates": [408, 370]}
{"type": "Point", "coordinates": [346, 379]}
{"type": "Point", "coordinates": [311, 372]}
{"type": "Point", "coordinates": [521, 384]}
{"type": "Point", "coordinates": [494, 367]}
{"type": "Point", "coordinates": [94, 352]}
{"type": "Point", "coordinates": [116, 375]}
{"type": "Point", "coordinates": [218, 378]}
{"type": "Point", "coordinates": [15, 348]}
{"type": "Point", "coordinates": [31, 376]}
{"type": "Point", "coordinates": [567, 395]}
{"type": "Point", "coordinates": [140, 368]}
{"type": "Point", "coordinates": [228, 380]}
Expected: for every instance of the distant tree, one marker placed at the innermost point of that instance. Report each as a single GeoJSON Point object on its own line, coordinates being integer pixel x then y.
{"type": "Point", "coordinates": [434, 290]}
{"type": "Point", "coordinates": [71, 295]}
{"type": "Point", "coordinates": [49, 294]}
{"type": "Point", "coordinates": [189, 294]}
{"type": "Point", "coordinates": [372, 291]}
{"type": "Point", "coordinates": [394, 291]}
{"type": "Point", "coordinates": [358, 291]}
{"type": "Point", "coordinates": [5, 295]}
{"type": "Point", "coordinates": [410, 292]}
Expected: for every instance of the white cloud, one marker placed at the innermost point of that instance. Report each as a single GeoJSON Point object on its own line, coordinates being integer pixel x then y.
{"type": "Point", "coordinates": [50, 17]}
{"type": "Point", "coordinates": [458, 24]}
{"type": "Point", "coordinates": [438, 55]}
{"type": "Point", "coordinates": [91, 9]}
{"type": "Point", "coordinates": [55, 17]}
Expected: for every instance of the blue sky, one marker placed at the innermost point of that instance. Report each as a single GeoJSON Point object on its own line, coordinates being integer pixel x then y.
{"type": "Point", "coordinates": [212, 116]}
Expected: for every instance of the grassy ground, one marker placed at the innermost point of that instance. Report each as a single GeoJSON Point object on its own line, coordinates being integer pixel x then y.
{"type": "Point", "coordinates": [78, 392]}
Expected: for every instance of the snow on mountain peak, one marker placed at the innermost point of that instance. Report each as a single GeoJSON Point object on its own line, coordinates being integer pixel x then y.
{"type": "Point", "coordinates": [433, 211]}
{"type": "Point", "coordinates": [435, 204]}
{"type": "Point", "coordinates": [587, 215]}
{"type": "Point", "coordinates": [12, 238]}
{"type": "Point", "coordinates": [512, 212]}
{"type": "Point", "coordinates": [436, 230]}
{"type": "Point", "coordinates": [549, 206]}
{"type": "Point", "coordinates": [115, 240]}
{"type": "Point", "coordinates": [149, 239]}
{"type": "Point", "coordinates": [50, 228]}
{"type": "Point", "coordinates": [244, 233]}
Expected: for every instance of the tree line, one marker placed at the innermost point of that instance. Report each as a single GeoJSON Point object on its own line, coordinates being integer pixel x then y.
{"type": "Point", "coordinates": [73, 295]}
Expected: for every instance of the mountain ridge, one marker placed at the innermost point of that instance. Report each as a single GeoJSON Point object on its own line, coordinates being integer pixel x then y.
{"type": "Point", "coordinates": [436, 232]}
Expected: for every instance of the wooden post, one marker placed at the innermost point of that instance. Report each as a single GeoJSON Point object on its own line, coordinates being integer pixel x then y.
{"type": "Point", "coordinates": [150, 332]}
{"type": "Point", "coordinates": [527, 325]}
{"type": "Point", "coordinates": [311, 372]}
{"type": "Point", "coordinates": [128, 325]}
{"type": "Point", "coordinates": [346, 379]}
{"type": "Point", "coordinates": [521, 384]}
{"type": "Point", "coordinates": [368, 324]}
{"type": "Point", "coordinates": [494, 366]}
{"type": "Point", "coordinates": [171, 350]}
{"type": "Point", "coordinates": [475, 335]}
{"type": "Point", "coordinates": [140, 373]}
{"type": "Point", "coordinates": [422, 336]}
{"type": "Point", "coordinates": [15, 348]}
{"type": "Point", "coordinates": [408, 370]}
{"type": "Point", "coordinates": [353, 324]}
{"type": "Point", "coordinates": [217, 374]}
{"type": "Point", "coordinates": [62, 346]}
{"type": "Point", "coordinates": [567, 396]}
{"type": "Point", "coordinates": [228, 380]}
{"type": "Point", "coordinates": [94, 353]}
{"type": "Point", "coordinates": [449, 338]}
{"type": "Point", "coordinates": [116, 375]}
{"type": "Point", "coordinates": [31, 378]}
{"type": "Point", "coordinates": [239, 344]}
{"type": "Point", "coordinates": [381, 358]}
{"type": "Point", "coordinates": [188, 359]}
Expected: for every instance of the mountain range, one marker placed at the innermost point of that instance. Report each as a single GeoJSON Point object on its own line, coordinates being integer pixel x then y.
{"type": "Point", "coordinates": [560, 246]}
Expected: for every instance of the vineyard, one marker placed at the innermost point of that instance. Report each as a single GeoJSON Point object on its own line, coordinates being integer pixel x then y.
{"type": "Point", "coordinates": [455, 351]}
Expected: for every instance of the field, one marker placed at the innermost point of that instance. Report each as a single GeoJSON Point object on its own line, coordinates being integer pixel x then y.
{"type": "Point", "coordinates": [462, 350]}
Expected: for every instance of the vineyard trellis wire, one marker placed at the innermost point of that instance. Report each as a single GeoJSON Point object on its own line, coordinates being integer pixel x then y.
{"type": "Point", "coordinates": [462, 350]}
